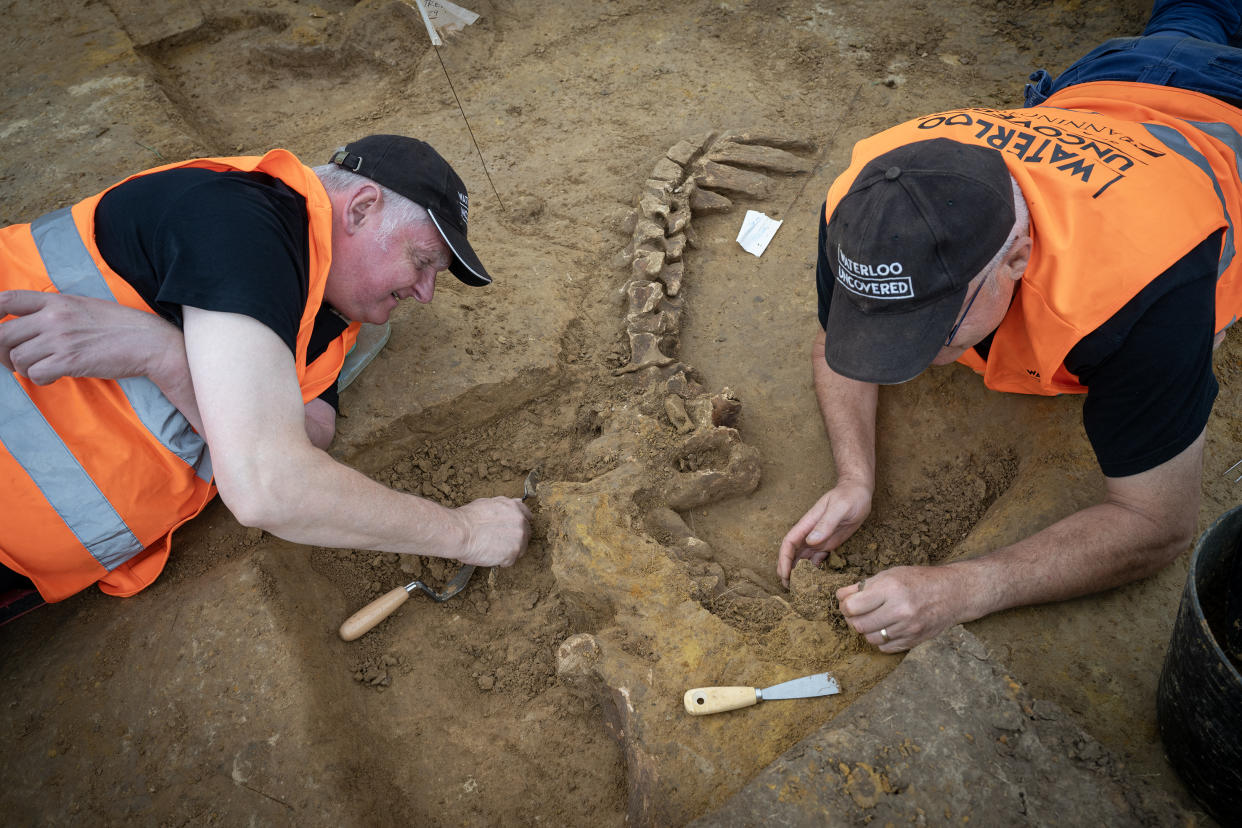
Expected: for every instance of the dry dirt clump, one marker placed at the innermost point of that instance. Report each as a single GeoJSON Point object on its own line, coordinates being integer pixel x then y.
{"type": "Point", "coordinates": [814, 592]}
{"type": "Point", "coordinates": [377, 672]}
{"type": "Point", "coordinates": [486, 461]}
{"type": "Point", "coordinates": [925, 527]}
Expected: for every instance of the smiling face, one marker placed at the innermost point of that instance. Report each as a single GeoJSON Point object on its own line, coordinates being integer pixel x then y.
{"type": "Point", "coordinates": [372, 270]}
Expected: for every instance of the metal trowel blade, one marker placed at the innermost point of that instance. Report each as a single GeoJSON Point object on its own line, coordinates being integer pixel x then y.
{"type": "Point", "coordinates": [454, 586]}
{"type": "Point", "coordinates": [820, 684]}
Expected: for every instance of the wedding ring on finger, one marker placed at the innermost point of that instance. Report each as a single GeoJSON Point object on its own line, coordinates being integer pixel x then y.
{"type": "Point", "coordinates": [884, 634]}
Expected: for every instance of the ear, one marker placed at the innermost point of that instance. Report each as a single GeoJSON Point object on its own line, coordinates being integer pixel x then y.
{"type": "Point", "coordinates": [1018, 257]}
{"type": "Point", "coordinates": [361, 206]}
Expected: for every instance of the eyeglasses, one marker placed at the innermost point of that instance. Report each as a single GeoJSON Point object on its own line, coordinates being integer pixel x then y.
{"type": "Point", "coordinates": [962, 318]}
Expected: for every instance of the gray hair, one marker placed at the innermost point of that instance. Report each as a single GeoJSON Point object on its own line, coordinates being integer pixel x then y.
{"type": "Point", "coordinates": [397, 211]}
{"type": "Point", "coordinates": [1021, 226]}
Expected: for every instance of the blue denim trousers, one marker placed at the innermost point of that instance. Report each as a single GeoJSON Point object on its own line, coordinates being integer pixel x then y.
{"type": "Point", "coordinates": [1188, 44]}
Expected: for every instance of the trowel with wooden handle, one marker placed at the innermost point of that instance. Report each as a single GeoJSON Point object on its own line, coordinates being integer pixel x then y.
{"type": "Point", "coordinates": [382, 607]}
{"type": "Point", "coordinates": [703, 700]}
{"type": "Point", "coordinates": [385, 605]}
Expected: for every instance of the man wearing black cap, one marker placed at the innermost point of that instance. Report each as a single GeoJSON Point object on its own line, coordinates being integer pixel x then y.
{"type": "Point", "coordinates": [184, 331]}
{"type": "Point", "coordinates": [1082, 246]}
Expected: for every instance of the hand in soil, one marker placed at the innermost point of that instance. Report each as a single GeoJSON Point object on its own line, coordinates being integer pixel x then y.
{"type": "Point", "coordinates": [497, 529]}
{"type": "Point", "coordinates": [911, 604]}
{"type": "Point", "coordinates": [827, 525]}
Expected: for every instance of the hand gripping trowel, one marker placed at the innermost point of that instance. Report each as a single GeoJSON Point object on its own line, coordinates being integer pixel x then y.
{"type": "Point", "coordinates": [364, 619]}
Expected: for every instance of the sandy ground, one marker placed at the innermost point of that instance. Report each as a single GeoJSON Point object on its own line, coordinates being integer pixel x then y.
{"type": "Point", "coordinates": [222, 694]}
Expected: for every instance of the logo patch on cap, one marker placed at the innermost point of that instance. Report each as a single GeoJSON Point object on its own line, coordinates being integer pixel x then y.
{"type": "Point", "coordinates": [882, 281]}
{"type": "Point", "coordinates": [465, 205]}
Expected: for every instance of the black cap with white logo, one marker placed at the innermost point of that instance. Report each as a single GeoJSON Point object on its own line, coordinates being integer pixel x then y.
{"type": "Point", "coordinates": [415, 170]}
{"type": "Point", "coordinates": [917, 224]}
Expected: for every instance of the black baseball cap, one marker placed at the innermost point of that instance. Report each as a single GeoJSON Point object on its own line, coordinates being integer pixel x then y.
{"type": "Point", "coordinates": [916, 225]}
{"type": "Point", "coordinates": [413, 169]}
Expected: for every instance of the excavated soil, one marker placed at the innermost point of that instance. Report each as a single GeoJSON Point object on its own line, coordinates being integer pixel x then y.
{"type": "Point", "coordinates": [610, 356]}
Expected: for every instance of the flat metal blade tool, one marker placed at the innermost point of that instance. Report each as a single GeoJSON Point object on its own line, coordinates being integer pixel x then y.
{"type": "Point", "coordinates": [703, 700]}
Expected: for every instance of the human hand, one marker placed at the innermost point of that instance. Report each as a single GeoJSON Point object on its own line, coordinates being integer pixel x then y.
{"type": "Point", "coordinates": [497, 529]}
{"type": "Point", "coordinates": [54, 335]}
{"type": "Point", "coordinates": [827, 525]}
{"type": "Point", "coordinates": [906, 605]}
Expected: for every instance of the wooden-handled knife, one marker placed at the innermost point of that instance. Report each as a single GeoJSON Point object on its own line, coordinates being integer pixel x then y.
{"type": "Point", "coordinates": [703, 700]}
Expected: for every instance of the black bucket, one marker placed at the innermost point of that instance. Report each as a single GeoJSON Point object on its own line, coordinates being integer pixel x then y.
{"type": "Point", "coordinates": [1199, 700]}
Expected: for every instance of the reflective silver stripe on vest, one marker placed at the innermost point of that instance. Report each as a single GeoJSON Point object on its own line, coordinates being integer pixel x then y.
{"type": "Point", "coordinates": [73, 271]}
{"type": "Point", "coordinates": [68, 262]}
{"type": "Point", "coordinates": [34, 443]}
{"type": "Point", "coordinates": [167, 424]}
{"type": "Point", "coordinates": [60, 477]}
{"type": "Point", "coordinates": [1177, 142]}
{"type": "Point", "coordinates": [1228, 136]}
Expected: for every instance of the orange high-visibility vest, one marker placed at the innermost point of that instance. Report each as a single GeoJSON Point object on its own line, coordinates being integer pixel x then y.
{"type": "Point", "coordinates": [1122, 180]}
{"type": "Point", "coordinates": [95, 475]}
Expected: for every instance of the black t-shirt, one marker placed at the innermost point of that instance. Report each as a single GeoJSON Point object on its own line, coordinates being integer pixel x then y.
{"type": "Point", "coordinates": [222, 241]}
{"type": "Point", "coordinates": [1148, 369]}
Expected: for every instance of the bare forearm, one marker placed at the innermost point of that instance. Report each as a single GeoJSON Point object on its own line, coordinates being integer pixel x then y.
{"type": "Point", "coordinates": [1098, 548]}
{"type": "Point", "coordinates": [325, 503]}
{"type": "Point", "coordinates": [54, 335]}
{"type": "Point", "coordinates": [848, 408]}
{"type": "Point", "coordinates": [1095, 549]}
{"type": "Point", "coordinates": [271, 476]}
{"type": "Point", "coordinates": [1145, 521]}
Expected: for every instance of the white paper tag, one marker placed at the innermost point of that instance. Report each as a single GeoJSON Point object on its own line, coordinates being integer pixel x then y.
{"type": "Point", "coordinates": [442, 16]}
{"type": "Point", "coordinates": [757, 231]}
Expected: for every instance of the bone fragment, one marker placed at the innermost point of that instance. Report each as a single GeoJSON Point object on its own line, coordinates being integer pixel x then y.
{"type": "Point", "coordinates": [668, 170]}
{"type": "Point", "coordinates": [682, 152]}
{"type": "Point", "coordinates": [782, 142]}
{"type": "Point", "coordinates": [647, 263]}
{"type": "Point", "coordinates": [758, 156]}
{"type": "Point", "coordinates": [733, 180]}
{"type": "Point", "coordinates": [653, 206]}
{"type": "Point", "coordinates": [671, 276]}
{"type": "Point", "coordinates": [705, 201]}
{"type": "Point", "coordinates": [674, 247]}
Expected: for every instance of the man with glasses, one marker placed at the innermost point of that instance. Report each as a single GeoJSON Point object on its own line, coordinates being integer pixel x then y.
{"type": "Point", "coordinates": [1083, 244]}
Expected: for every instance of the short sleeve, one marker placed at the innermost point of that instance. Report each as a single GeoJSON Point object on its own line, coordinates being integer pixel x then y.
{"type": "Point", "coordinates": [229, 246]}
{"type": "Point", "coordinates": [222, 241]}
{"type": "Point", "coordinates": [232, 242]}
{"type": "Point", "coordinates": [824, 280]}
